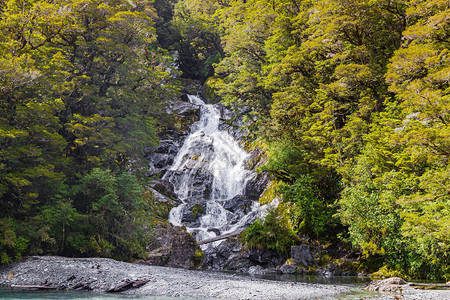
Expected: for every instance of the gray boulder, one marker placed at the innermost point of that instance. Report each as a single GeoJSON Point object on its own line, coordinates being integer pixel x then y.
{"type": "Point", "coordinates": [186, 109]}
{"type": "Point", "coordinates": [393, 284]}
{"type": "Point", "coordinates": [164, 187]}
{"type": "Point", "coordinates": [238, 203]}
{"type": "Point", "coordinates": [301, 255]}
{"type": "Point", "coordinates": [256, 270]}
{"type": "Point", "coordinates": [243, 260]}
{"type": "Point", "coordinates": [217, 257]}
{"type": "Point", "coordinates": [173, 247]}
{"type": "Point", "coordinates": [290, 269]}
{"type": "Point", "coordinates": [332, 269]}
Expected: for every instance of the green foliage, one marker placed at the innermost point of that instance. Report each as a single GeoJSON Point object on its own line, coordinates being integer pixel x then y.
{"type": "Point", "coordinates": [274, 233]}
{"type": "Point", "coordinates": [352, 99]}
{"type": "Point", "coordinates": [402, 173]}
{"type": "Point", "coordinates": [385, 272]}
{"type": "Point", "coordinates": [12, 246]}
{"type": "Point", "coordinates": [308, 190]}
{"type": "Point", "coordinates": [81, 86]}
{"type": "Point", "coordinates": [197, 210]}
{"type": "Point", "coordinates": [116, 210]}
{"type": "Point", "coordinates": [60, 217]}
{"type": "Point", "coordinates": [287, 162]}
{"type": "Point", "coordinates": [198, 257]}
{"type": "Point", "coordinates": [187, 28]}
{"type": "Point", "coordinates": [307, 212]}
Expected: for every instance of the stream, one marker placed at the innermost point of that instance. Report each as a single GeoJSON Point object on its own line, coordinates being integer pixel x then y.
{"type": "Point", "coordinates": [209, 176]}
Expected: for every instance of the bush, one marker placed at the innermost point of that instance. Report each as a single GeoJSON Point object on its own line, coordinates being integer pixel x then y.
{"type": "Point", "coordinates": [308, 213]}
{"type": "Point", "coordinates": [198, 257]}
{"type": "Point", "coordinates": [12, 246]}
{"type": "Point", "coordinates": [274, 233]}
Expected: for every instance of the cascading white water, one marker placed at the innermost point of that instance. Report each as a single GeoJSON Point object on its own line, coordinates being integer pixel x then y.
{"type": "Point", "coordinates": [215, 152]}
{"type": "Point", "coordinates": [209, 170]}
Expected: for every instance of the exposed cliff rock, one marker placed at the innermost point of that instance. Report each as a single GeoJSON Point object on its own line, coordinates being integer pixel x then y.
{"type": "Point", "coordinates": [190, 86]}
{"type": "Point", "coordinates": [301, 255]}
{"type": "Point", "coordinates": [230, 255]}
{"type": "Point", "coordinates": [171, 140]}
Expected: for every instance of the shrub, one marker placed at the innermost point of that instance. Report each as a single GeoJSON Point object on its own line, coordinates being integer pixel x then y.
{"type": "Point", "coordinates": [275, 233]}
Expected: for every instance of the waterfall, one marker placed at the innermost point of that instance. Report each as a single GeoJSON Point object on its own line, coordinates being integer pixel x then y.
{"type": "Point", "coordinates": [209, 176]}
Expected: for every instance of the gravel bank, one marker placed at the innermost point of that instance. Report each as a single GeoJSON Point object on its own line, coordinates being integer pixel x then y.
{"type": "Point", "coordinates": [102, 274]}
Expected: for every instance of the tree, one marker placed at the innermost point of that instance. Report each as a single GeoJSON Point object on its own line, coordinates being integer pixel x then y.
{"type": "Point", "coordinates": [81, 85]}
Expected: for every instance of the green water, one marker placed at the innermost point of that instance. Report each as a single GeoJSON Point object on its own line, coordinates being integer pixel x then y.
{"type": "Point", "coordinates": [20, 295]}
{"type": "Point", "coordinates": [336, 280]}
{"type": "Point", "coordinates": [56, 295]}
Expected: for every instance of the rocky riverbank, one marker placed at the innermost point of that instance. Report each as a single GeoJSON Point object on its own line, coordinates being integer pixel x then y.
{"type": "Point", "coordinates": [107, 275]}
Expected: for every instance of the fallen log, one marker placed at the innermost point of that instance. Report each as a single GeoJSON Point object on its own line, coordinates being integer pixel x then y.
{"type": "Point", "coordinates": [82, 286]}
{"type": "Point", "coordinates": [140, 283]}
{"type": "Point", "coordinates": [219, 237]}
{"type": "Point", "coordinates": [33, 287]}
{"type": "Point", "coordinates": [127, 284]}
{"type": "Point", "coordinates": [123, 286]}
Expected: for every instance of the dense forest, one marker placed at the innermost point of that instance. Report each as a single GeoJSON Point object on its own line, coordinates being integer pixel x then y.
{"type": "Point", "coordinates": [349, 100]}
{"type": "Point", "coordinates": [81, 87]}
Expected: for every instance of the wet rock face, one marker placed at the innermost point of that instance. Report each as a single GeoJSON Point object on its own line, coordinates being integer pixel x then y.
{"type": "Point", "coordinates": [164, 187]}
{"type": "Point", "coordinates": [185, 109]}
{"type": "Point", "coordinates": [184, 98]}
{"type": "Point", "coordinates": [301, 255]}
{"type": "Point", "coordinates": [244, 260]}
{"type": "Point", "coordinates": [201, 184]}
{"type": "Point", "coordinates": [256, 185]}
{"type": "Point", "coordinates": [172, 247]}
{"type": "Point", "coordinates": [230, 255]}
{"type": "Point", "coordinates": [239, 203]}
{"type": "Point", "coordinates": [170, 141]}
{"type": "Point", "coordinates": [190, 86]}
{"type": "Point", "coordinates": [233, 123]}
{"type": "Point", "coordinates": [192, 212]}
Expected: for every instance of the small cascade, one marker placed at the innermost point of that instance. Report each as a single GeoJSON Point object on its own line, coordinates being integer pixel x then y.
{"type": "Point", "coordinates": [209, 176]}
